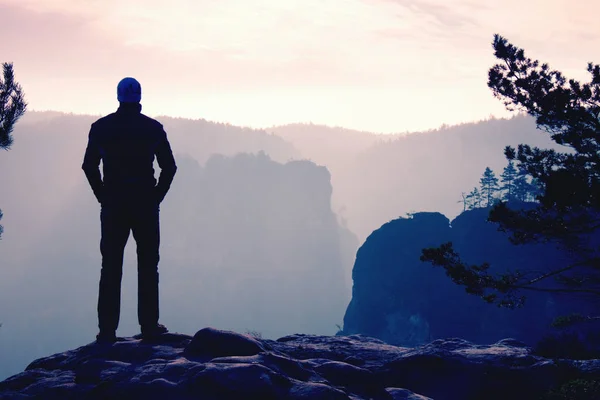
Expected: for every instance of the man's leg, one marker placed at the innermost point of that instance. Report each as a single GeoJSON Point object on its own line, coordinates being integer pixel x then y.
{"type": "Point", "coordinates": [115, 232]}
{"type": "Point", "coordinates": [146, 232]}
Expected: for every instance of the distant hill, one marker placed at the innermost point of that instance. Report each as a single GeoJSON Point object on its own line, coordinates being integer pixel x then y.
{"type": "Point", "coordinates": [331, 146]}
{"type": "Point", "coordinates": [201, 139]}
{"type": "Point", "coordinates": [377, 178]}
{"type": "Point", "coordinates": [44, 165]}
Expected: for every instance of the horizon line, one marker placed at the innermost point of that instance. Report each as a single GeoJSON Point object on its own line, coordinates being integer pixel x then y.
{"type": "Point", "coordinates": [443, 126]}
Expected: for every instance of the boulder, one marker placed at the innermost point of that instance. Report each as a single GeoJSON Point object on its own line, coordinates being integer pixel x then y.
{"type": "Point", "coordinates": [210, 342]}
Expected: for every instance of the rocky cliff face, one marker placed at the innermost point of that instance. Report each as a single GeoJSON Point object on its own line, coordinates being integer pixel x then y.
{"type": "Point", "coordinates": [399, 299]}
{"type": "Point", "coordinates": [225, 365]}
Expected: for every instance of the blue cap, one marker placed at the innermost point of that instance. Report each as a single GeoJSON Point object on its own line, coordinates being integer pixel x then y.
{"type": "Point", "coordinates": [129, 90]}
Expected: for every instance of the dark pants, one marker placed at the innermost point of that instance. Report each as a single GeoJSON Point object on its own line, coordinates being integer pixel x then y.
{"type": "Point", "coordinates": [117, 220]}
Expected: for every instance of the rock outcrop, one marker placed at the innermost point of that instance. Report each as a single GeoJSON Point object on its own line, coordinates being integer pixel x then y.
{"type": "Point", "coordinates": [403, 301]}
{"type": "Point", "coordinates": [225, 365]}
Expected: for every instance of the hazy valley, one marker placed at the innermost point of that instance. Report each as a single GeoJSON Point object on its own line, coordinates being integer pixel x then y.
{"type": "Point", "coordinates": [253, 237]}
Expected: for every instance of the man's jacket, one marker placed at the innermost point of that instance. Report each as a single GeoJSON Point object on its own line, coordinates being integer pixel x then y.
{"type": "Point", "coordinates": [127, 142]}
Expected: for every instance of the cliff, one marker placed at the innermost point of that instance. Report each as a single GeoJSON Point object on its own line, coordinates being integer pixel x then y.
{"type": "Point", "coordinates": [401, 300]}
{"type": "Point", "coordinates": [225, 365]}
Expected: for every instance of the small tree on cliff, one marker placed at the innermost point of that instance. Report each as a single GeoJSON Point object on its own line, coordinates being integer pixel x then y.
{"type": "Point", "coordinates": [508, 177]}
{"type": "Point", "coordinates": [568, 212]}
{"type": "Point", "coordinates": [12, 107]}
{"type": "Point", "coordinates": [522, 188]}
{"type": "Point", "coordinates": [489, 186]}
{"type": "Point", "coordinates": [464, 200]}
{"type": "Point", "coordinates": [526, 188]}
{"type": "Point", "coordinates": [474, 199]}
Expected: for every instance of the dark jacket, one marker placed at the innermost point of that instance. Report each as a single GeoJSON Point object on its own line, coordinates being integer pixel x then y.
{"type": "Point", "coordinates": [127, 142]}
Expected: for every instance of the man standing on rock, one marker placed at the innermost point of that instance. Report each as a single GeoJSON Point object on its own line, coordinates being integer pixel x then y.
{"type": "Point", "coordinates": [127, 142]}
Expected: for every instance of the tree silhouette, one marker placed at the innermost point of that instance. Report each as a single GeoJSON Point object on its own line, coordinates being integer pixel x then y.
{"type": "Point", "coordinates": [474, 199]}
{"type": "Point", "coordinates": [464, 200]}
{"type": "Point", "coordinates": [489, 186]}
{"type": "Point", "coordinates": [12, 107]}
{"type": "Point", "coordinates": [508, 178]}
{"type": "Point", "coordinates": [522, 188]}
{"type": "Point", "coordinates": [568, 184]}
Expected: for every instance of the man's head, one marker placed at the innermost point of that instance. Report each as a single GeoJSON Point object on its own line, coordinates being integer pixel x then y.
{"type": "Point", "coordinates": [129, 90]}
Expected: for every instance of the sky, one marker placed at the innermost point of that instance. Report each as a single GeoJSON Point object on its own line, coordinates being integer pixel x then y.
{"type": "Point", "coordinates": [385, 66]}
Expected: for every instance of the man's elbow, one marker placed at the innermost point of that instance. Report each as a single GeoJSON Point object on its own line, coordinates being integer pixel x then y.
{"type": "Point", "coordinates": [172, 169]}
{"type": "Point", "coordinates": [88, 167]}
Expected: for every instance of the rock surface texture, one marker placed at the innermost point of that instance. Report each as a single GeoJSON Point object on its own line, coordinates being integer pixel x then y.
{"type": "Point", "coordinates": [225, 365]}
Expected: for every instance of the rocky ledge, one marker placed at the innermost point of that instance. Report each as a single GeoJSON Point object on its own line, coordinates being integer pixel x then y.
{"type": "Point", "coordinates": [218, 364]}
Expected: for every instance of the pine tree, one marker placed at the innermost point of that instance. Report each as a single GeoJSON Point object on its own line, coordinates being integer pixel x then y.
{"type": "Point", "coordinates": [526, 189]}
{"type": "Point", "coordinates": [566, 185]}
{"type": "Point", "coordinates": [508, 177]}
{"type": "Point", "coordinates": [12, 107]}
{"type": "Point", "coordinates": [535, 189]}
{"type": "Point", "coordinates": [464, 200]}
{"type": "Point", "coordinates": [521, 188]}
{"type": "Point", "coordinates": [474, 199]}
{"type": "Point", "coordinates": [489, 186]}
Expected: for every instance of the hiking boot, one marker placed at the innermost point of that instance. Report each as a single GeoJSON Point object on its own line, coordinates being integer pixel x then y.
{"type": "Point", "coordinates": [150, 332]}
{"type": "Point", "coordinates": [106, 337]}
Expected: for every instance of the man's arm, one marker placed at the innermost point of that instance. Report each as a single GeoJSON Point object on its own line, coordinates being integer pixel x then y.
{"type": "Point", "coordinates": [166, 162]}
{"type": "Point", "coordinates": [91, 165]}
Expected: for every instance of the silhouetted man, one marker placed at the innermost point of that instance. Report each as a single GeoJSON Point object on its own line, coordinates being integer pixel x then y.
{"type": "Point", "coordinates": [127, 142]}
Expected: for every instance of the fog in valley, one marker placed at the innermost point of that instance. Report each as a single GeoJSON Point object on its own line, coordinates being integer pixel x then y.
{"type": "Point", "coordinates": [376, 178]}
{"type": "Point", "coordinates": [258, 233]}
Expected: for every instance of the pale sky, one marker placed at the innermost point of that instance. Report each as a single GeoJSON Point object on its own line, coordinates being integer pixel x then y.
{"type": "Point", "coordinates": [377, 65]}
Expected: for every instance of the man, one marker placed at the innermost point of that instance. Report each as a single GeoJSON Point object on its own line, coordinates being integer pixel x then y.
{"type": "Point", "coordinates": [127, 143]}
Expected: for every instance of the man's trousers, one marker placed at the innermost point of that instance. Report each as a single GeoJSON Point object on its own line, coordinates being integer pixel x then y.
{"type": "Point", "coordinates": [117, 220]}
